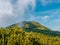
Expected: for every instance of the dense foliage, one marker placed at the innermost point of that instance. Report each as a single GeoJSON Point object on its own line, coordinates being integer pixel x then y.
{"type": "Point", "coordinates": [18, 36]}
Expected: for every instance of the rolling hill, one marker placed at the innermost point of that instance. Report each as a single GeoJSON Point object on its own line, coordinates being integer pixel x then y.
{"type": "Point", "coordinates": [35, 27]}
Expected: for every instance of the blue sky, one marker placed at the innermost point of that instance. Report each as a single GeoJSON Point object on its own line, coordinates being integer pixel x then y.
{"type": "Point", "coordinates": [46, 12]}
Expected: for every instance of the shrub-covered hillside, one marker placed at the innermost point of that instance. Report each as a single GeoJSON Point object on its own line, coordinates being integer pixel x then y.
{"type": "Point", "coordinates": [33, 26]}
{"type": "Point", "coordinates": [18, 36]}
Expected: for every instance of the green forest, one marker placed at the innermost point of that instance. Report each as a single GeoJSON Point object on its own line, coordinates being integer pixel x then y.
{"type": "Point", "coordinates": [18, 36]}
{"type": "Point", "coordinates": [32, 33]}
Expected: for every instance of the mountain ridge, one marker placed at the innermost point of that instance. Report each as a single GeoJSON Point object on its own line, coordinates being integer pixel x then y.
{"type": "Point", "coordinates": [33, 26]}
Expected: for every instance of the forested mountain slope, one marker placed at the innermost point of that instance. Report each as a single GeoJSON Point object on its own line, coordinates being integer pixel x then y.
{"type": "Point", "coordinates": [30, 33]}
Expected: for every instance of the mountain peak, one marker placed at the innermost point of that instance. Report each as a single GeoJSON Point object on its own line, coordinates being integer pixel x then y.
{"type": "Point", "coordinates": [30, 25]}
{"type": "Point", "coordinates": [35, 25]}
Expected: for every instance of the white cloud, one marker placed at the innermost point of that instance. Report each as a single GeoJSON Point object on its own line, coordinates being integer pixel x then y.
{"type": "Point", "coordinates": [45, 18]}
{"type": "Point", "coordinates": [41, 18]}
{"type": "Point", "coordinates": [5, 11]}
{"type": "Point", "coordinates": [11, 13]}
{"type": "Point", "coordinates": [46, 2]}
{"type": "Point", "coordinates": [53, 12]}
{"type": "Point", "coordinates": [21, 7]}
{"type": "Point", "coordinates": [5, 7]}
{"type": "Point", "coordinates": [49, 14]}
